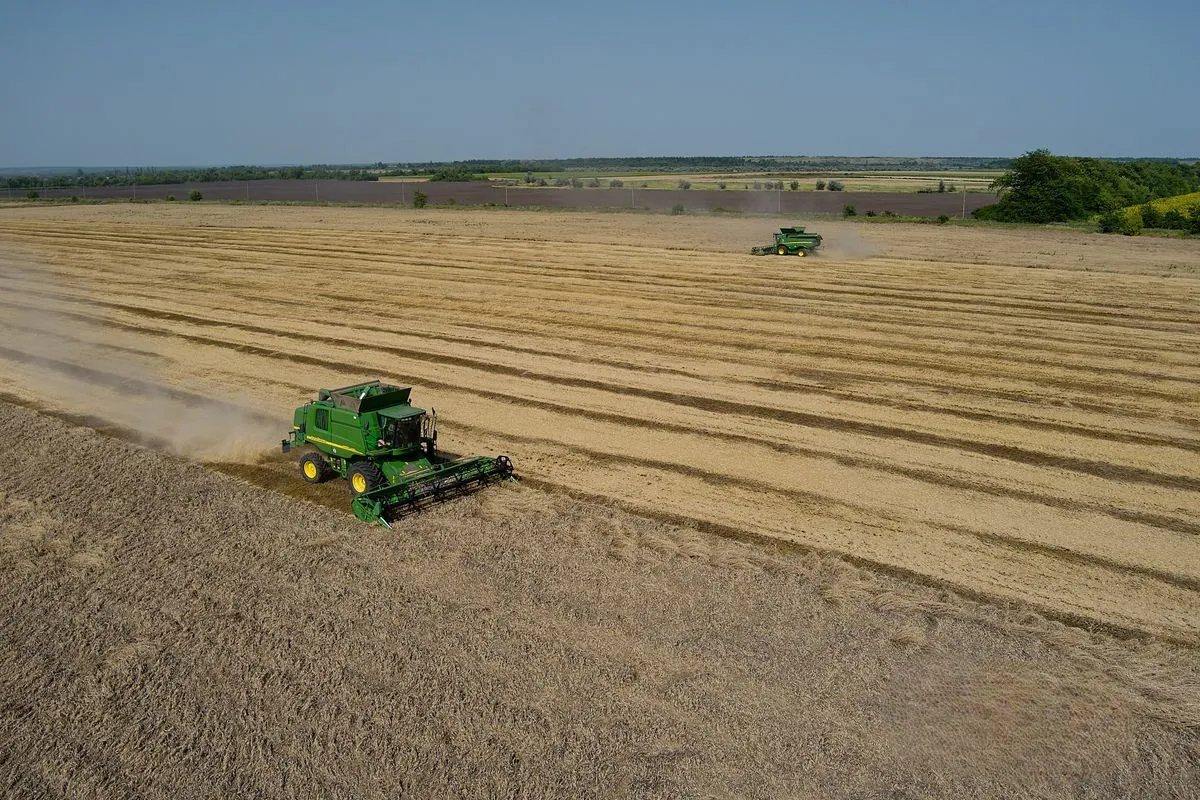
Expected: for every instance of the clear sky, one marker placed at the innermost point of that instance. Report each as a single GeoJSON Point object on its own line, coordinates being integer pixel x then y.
{"type": "Point", "coordinates": [161, 82]}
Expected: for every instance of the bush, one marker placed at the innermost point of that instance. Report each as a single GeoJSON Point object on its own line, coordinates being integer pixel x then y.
{"type": "Point", "coordinates": [820, 185]}
{"type": "Point", "coordinates": [576, 183]}
{"type": "Point", "coordinates": [420, 200]}
{"type": "Point", "coordinates": [870, 213]}
{"type": "Point", "coordinates": [1151, 216]}
{"type": "Point", "coordinates": [75, 199]}
{"type": "Point", "coordinates": [849, 211]}
{"type": "Point", "coordinates": [616, 183]}
{"type": "Point", "coordinates": [542, 182]}
{"type": "Point", "coordinates": [685, 184]}
{"type": "Point", "coordinates": [451, 202]}
{"type": "Point", "coordinates": [836, 186]}
{"type": "Point", "coordinates": [594, 183]}
{"type": "Point", "coordinates": [1173, 220]}
{"type": "Point", "coordinates": [941, 187]}
{"type": "Point", "coordinates": [1110, 222]}
{"type": "Point", "coordinates": [758, 184]}
{"type": "Point", "coordinates": [943, 219]}
{"type": "Point", "coordinates": [1119, 221]}
{"type": "Point", "coordinates": [562, 181]}
{"type": "Point", "coordinates": [1193, 226]}
{"type": "Point", "coordinates": [677, 209]}
{"type": "Point", "coordinates": [195, 195]}
{"type": "Point", "coordinates": [795, 185]}
{"type": "Point", "coordinates": [32, 195]}
{"type": "Point", "coordinates": [170, 198]}
{"type": "Point", "coordinates": [721, 185]}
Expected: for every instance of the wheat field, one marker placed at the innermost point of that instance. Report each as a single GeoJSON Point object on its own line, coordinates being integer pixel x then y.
{"type": "Point", "coordinates": [913, 513]}
{"type": "Point", "coordinates": [1027, 434]}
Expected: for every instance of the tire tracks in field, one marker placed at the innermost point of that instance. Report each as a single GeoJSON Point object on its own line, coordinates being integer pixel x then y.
{"type": "Point", "coordinates": [1104, 313]}
{"type": "Point", "coordinates": [266, 477]}
{"type": "Point", "coordinates": [1060, 360]}
{"type": "Point", "coordinates": [773, 385]}
{"type": "Point", "coordinates": [927, 476]}
{"type": "Point", "coordinates": [1121, 631]}
{"type": "Point", "coordinates": [1011, 366]}
{"type": "Point", "coordinates": [722, 407]}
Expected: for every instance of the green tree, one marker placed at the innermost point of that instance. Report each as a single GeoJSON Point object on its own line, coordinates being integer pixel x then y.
{"type": "Point", "coordinates": [795, 185]}
{"type": "Point", "coordinates": [820, 185]}
{"type": "Point", "coordinates": [849, 211]}
{"type": "Point", "coordinates": [420, 200]}
{"type": "Point", "coordinates": [835, 186]}
{"type": "Point", "coordinates": [195, 195]}
{"type": "Point", "coordinates": [685, 184]}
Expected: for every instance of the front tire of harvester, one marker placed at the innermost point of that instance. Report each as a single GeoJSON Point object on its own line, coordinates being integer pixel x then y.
{"type": "Point", "coordinates": [781, 250]}
{"type": "Point", "coordinates": [313, 468]}
{"type": "Point", "coordinates": [363, 477]}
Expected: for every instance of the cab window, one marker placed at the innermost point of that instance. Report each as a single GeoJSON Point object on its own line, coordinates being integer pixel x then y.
{"type": "Point", "coordinates": [322, 420]}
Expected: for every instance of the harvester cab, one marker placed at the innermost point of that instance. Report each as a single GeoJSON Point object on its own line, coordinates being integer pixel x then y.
{"type": "Point", "coordinates": [792, 241]}
{"type": "Point", "coordinates": [385, 447]}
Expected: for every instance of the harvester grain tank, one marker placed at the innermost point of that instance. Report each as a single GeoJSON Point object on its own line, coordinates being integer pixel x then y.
{"type": "Point", "coordinates": [794, 241]}
{"type": "Point", "coordinates": [385, 447]}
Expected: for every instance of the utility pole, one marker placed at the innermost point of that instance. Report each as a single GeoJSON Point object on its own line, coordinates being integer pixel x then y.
{"type": "Point", "coordinates": [317, 191]}
{"type": "Point", "coordinates": [247, 191]}
{"type": "Point", "coordinates": [964, 216]}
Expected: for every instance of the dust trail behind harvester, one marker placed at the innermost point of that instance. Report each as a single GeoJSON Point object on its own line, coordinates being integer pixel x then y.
{"type": "Point", "coordinates": [847, 244]}
{"type": "Point", "coordinates": [56, 356]}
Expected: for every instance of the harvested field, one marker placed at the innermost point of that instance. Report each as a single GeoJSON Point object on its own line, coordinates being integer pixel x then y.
{"type": "Point", "coordinates": [1010, 416]}
{"type": "Point", "coordinates": [173, 632]}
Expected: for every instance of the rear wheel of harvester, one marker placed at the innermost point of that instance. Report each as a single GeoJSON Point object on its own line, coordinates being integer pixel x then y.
{"type": "Point", "coordinates": [314, 469]}
{"type": "Point", "coordinates": [363, 477]}
{"type": "Point", "coordinates": [781, 250]}
{"type": "Point", "coordinates": [800, 251]}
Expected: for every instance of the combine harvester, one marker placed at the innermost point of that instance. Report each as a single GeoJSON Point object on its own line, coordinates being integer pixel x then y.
{"type": "Point", "coordinates": [790, 242]}
{"type": "Point", "coordinates": [371, 435]}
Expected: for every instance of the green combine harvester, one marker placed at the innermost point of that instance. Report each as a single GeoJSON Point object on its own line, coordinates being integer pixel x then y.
{"type": "Point", "coordinates": [385, 448]}
{"type": "Point", "coordinates": [790, 242]}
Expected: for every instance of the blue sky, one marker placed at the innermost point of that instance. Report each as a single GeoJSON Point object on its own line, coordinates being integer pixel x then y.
{"type": "Point", "coordinates": [168, 83]}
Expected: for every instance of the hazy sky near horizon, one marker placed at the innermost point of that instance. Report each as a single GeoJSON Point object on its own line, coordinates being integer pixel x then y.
{"type": "Point", "coordinates": [138, 82]}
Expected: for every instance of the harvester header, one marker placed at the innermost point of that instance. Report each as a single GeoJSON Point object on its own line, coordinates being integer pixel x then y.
{"type": "Point", "coordinates": [386, 449]}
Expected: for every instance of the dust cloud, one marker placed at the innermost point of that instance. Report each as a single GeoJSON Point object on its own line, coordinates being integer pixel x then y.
{"type": "Point", "coordinates": [56, 352]}
{"type": "Point", "coordinates": [847, 244]}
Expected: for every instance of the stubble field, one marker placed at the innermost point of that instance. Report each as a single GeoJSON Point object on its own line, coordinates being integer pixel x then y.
{"type": "Point", "coordinates": [936, 415]}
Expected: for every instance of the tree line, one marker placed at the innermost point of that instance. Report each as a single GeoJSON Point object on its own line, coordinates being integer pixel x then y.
{"type": "Point", "coordinates": [1041, 187]}
{"type": "Point", "coordinates": [147, 176]}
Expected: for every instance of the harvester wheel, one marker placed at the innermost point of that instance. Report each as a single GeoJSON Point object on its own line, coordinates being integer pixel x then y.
{"type": "Point", "coordinates": [800, 251]}
{"type": "Point", "coordinates": [506, 466]}
{"type": "Point", "coordinates": [313, 468]}
{"type": "Point", "coordinates": [363, 477]}
{"type": "Point", "coordinates": [781, 250]}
